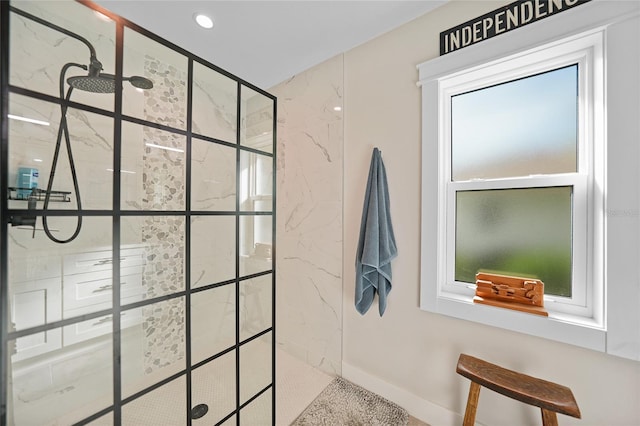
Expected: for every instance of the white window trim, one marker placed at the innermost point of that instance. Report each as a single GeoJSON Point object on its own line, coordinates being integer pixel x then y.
{"type": "Point", "coordinates": [589, 330]}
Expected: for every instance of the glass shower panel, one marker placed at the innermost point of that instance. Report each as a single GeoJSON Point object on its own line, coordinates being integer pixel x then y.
{"type": "Point", "coordinates": [213, 176]}
{"type": "Point", "coordinates": [153, 344]}
{"type": "Point", "coordinates": [214, 384]}
{"type": "Point", "coordinates": [39, 52]}
{"type": "Point", "coordinates": [165, 69]}
{"type": "Point", "coordinates": [259, 411]}
{"type": "Point", "coordinates": [255, 366]}
{"type": "Point", "coordinates": [256, 301]}
{"type": "Point", "coordinates": [255, 244]}
{"type": "Point", "coordinates": [32, 145]}
{"type": "Point", "coordinates": [49, 281]}
{"type": "Point", "coordinates": [63, 385]}
{"type": "Point", "coordinates": [165, 406]}
{"type": "Point", "coordinates": [152, 257]}
{"type": "Point", "coordinates": [213, 249]}
{"type": "Point", "coordinates": [213, 321]}
{"type": "Point", "coordinates": [66, 374]}
{"type": "Point", "coordinates": [153, 169]}
{"type": "Point", "coordinates": [256, 129]}
{"type": "Point", "coordinates": [215, 104]}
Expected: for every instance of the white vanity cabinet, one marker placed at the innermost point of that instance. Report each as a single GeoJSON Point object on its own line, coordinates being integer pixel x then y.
{"type": "Point", "coordinates": [49, 289]}
{"type": "Point", "coordinates": [88, 287]}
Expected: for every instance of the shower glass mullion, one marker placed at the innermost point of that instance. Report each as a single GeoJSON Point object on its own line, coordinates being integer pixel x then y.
{"type": "Point", "coordinates": [273, 259]}
{"type": "Point", "coordinates": [4, 166]}
{"type": "Point", "coordinates": [189, 148]}
{"type": "Point", "coordinates": [116, 271]}
{"type": "Point", "coordinates": [237, 228]}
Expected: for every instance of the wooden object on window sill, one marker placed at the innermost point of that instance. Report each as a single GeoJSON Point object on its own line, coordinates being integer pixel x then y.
{"type": "Point", "coordinates": [551, 397]}
{"type": "Point", "coordinates": [520, 294]}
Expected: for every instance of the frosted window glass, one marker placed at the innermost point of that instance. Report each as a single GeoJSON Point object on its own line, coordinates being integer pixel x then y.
{"type": "Point", "coordinates": [522, 232]}
{"type": "Point", "coordinates": [523, 127]}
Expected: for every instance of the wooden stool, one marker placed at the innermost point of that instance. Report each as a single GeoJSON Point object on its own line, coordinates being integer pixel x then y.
{"type": "Point", "coordinates": [550, 397]}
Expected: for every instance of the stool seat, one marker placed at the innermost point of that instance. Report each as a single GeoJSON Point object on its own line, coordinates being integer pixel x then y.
{"type": "Point", "coordinates": [551, 397]}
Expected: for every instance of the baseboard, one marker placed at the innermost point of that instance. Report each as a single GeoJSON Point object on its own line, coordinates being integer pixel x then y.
{"type": "Point", "coordinates": [417, 407]}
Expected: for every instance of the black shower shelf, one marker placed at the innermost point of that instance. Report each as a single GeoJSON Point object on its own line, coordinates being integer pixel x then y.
{"type": "Point", "coordinates": [39, 195]}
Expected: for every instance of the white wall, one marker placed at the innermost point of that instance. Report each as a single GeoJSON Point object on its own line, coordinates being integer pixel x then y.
{"type": "Point", "coordinates": [410, 355]}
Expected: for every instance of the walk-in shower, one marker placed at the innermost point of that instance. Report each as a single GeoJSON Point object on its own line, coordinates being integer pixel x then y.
{"type": "Point", "coordinates": [156, 170]}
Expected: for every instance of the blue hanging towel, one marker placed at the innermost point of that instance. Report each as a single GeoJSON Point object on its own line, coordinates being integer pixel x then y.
{"type": "Point", "coordinates": [377, 244]}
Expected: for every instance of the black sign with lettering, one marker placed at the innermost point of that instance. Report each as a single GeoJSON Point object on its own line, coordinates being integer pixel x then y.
{"type": "Point", "coordinates": [506, 18]}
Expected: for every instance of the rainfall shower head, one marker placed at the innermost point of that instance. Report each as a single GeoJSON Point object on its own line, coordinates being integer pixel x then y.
{"type": "Point", "coordinates": [97, 84]}
{"type": "Point", "coordinates": [105, 83]}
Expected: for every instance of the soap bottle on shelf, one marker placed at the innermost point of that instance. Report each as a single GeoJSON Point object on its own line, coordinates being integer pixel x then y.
{"type": "Point", "coordinates": [27, 179]}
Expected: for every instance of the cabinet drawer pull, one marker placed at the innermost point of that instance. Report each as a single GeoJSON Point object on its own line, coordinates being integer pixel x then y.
{"type": "Point", "coordinates": [102, 321]}
{"type": "Point", "coordinates": [106, 261]}
{"type": "Point", "coordinates": [103, 288]}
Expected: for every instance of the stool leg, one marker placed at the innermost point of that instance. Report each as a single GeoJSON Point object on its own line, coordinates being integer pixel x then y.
{"type": "Point", "coordinates": [549, 418]}
{"type": "Point", "coordinates": [472, 405]}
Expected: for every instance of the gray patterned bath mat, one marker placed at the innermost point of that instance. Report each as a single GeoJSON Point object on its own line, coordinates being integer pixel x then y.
{"type": "Point", "coordinates": [346, 404]}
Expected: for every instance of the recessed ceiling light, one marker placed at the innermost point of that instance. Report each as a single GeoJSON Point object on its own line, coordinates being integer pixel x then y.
{"type": "Point", "coordinates": [203, 20]}
{"type": "Point", "coordinates": [337, 108]}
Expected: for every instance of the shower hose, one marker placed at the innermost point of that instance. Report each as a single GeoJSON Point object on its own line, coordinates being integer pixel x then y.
{"type": "Point", "coordinates": [63, 130]}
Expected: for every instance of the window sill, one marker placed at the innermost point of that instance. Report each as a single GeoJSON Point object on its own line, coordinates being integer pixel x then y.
{"type": "Point", "coordinates": [563, 328]}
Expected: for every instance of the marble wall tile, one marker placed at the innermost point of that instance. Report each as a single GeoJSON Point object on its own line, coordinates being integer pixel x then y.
{"type": "Point", "coordinates": [309, 220]}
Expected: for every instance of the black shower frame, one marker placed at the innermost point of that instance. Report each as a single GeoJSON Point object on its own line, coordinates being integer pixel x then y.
{"type": "Point", "coordinates": [5, 214]}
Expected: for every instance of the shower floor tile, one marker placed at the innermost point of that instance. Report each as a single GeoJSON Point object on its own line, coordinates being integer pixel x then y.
{"type": "Point", "coordinates": [297, 385]}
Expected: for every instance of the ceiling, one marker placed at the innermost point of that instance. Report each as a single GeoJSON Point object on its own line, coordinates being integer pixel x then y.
{"type": "Point", "coordinates": [266, 42]}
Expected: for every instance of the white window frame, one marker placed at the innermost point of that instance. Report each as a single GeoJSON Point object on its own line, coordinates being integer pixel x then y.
{"type": "Point", "coordinates": [585, 305]}
{"type": "Point", "coordinates": [602, 318]}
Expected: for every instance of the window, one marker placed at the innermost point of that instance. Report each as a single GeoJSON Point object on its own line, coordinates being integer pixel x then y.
{"type": "Point", "coordinates": [518, 174]}
{"type": "Point", "coordinates": [517, 137]}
